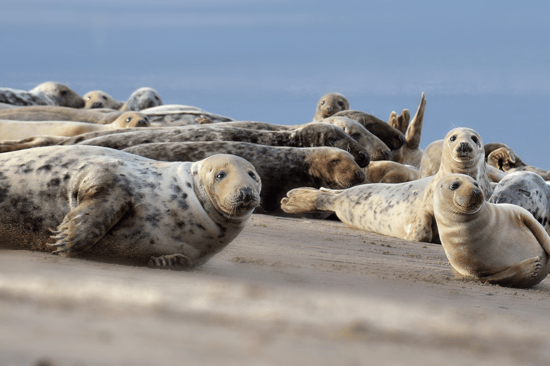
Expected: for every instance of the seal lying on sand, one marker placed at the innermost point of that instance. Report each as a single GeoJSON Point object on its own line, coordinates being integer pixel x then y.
{"type": "Point", "coordinates": [314, 135]}
{"type": "Point", "coordinates": [376, 148]}
{"type": "Point", "coordinates": [506, 159]}
{"type": "Point", "coordinates": [51, 113]}
{"type": "Point", "coordinates": [330, 104]}
{"type": "Point", "coordinates": [280, 168]}
{"type": "Point", "coordinates": [391, 136]}
{"type": "Point", "coordinates": [174, 115]}
{"type": "Point", "coordinates": [528, 190]}
{"type": "Point", "coordinates": [402, 210]}
{"type": "Point", "coordinates": [48, 93]}
{"type": "Point", "coordinates": [100, 99]}
{"type": "Point", "coordinates": [110, 205]}
{"type": "Point", "coordinates": [17, 130]}
{"type": "Point", "coordinates": [501, 244]}
{"type": "Point", "coordinates": [142, 98]}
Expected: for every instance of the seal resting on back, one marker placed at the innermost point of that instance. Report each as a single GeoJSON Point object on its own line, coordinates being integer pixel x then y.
{"type": "Point", "coordinates": [18, 130]}
{"type": "Point", "coordinates": [48, 93]}
{"type": "Point", "coordinates": [110, 205]}
{"type": "Point", "coordinates": [330, 104]}
{"type": "Point", "coordinates": [402, 210]}
{"type": "Point", "coordinates": [500, 244]}
{"type": "Point", "coordinates": [280, 168]}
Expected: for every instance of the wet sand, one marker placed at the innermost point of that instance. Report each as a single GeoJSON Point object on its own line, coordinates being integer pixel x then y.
{"type": "Point", "coordinates": [286, 291]}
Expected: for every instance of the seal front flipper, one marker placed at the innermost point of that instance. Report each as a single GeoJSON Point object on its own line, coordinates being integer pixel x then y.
{"type": "Point", "coordinates": [524, 274]}
{"type": "Point", "coordinates": [97, 212]}
{"type": "Point", "coordinates": [172, 261]}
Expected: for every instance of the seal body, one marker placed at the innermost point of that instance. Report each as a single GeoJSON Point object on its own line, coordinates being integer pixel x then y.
{"type": "Point", "coordinates": [330, 104]}
{"type": "Point", "coordinates": [17, 130]}
{"type": "Point", "coordinates": [173, 115]}
{"type": "Point", "coordinates": [110, 205]}
{"type": "Point", "coordinates": [52, 113]}
{"type": "Point", "coordinates": [403, 210]}
{"type": "Point", "coordinates": [501, 244]}
{"type": "Point", "coordinates": [528, 190]}
{"type": "Point", "coordinates": [280, 168]}
{"type": "Point", "coordinates": [48, 93]}
{"type": "Point", "coordinates": [142, 98]}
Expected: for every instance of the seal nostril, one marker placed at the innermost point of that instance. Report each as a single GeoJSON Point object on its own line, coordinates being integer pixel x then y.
{"type": "Point", "coordinates": [360, 175]}
{"type": "Point", "coordinates": [245, 194]}
{"type": "Point", "coordinates": [387, 154]}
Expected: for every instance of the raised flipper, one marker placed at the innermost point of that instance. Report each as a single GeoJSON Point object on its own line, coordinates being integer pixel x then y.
{"type": "Point", "coordinates": [414, 131]}
{"type": "Point", "coordinates": [524, 274]}
{"type": "Point", "coordinates": [172, 261]}
{"type": "Point", "coordinates": [538, 231]}
{"type": "Point", "coordinates": [301, 200]}
{"type": "Point", "coordinates": [100, 208]}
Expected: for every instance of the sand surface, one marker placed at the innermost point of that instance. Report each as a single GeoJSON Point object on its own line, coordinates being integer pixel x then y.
{"type": "Point", "coordinates": [285, 292]}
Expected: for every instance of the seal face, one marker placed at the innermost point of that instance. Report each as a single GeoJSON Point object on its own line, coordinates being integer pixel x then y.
{"type": "Point", "coordinates": [501, 244]}
{"type": "Point", "coordinates": [142, 98]}
{"type": "Point", "coordinates": [99, 99]}
{"type": "Point", "coordinates": [528, 190]}
{"type": "Point", "coordinates": [110, 205]}
{"type": "Point", "coordinates": [330, 104]}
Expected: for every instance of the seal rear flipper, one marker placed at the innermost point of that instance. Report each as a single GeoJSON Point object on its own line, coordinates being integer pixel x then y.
{"type": "Point", "coordinates": [173, 261]}
{"type": "Point", "coordinates": [301, 200]}
{"type": "Point", "coordinates": [524, 274]}
{"type": "Point", "coordinates": [414, 131]}
{"type": "Point", "coordinates": [88, 222]}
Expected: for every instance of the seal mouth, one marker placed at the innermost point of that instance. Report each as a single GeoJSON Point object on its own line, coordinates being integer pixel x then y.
{"type": "Point", "coordinates": [469, 204]}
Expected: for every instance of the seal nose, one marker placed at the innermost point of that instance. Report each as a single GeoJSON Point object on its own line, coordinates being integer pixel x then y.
{"type": "Point", "coordinates": [464, 147]}
{"type": "Point", "coordinates": [387, 154]}
{"type": "Point", "coordinates": [363, 160]}
{"type": "Point", "coordinates": [476, 192]}
{"type": "Point", "coordinates": [97, 105]}
{"type": "Point", "coordinates": [329, 109]}
{"type": "Point", "coordinates": [360, 175]}
{"type": "Point", "coordinates": [142, 123]}
{"type": "Point", "coordinates": [246, 195]}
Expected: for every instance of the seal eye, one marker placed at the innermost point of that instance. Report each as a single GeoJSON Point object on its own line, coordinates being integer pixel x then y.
{"type": "Point", "coordinates": [453, 138]}
{"type": "Point", "coordinates": [220, 176]}
{"type": "Point", "coordinates": [128, 119]}
{"type": "Point", "coordinates": [88, 98]}
{"type": "Point", "coordinates": [356, 136]}
{"type": "Point", "coordinates": [252, 175]}
{"type": "Point", "coordinates": [331, 141]}
{"type": "Point", "coordinates": [474, 139]}
{"type": "Point", "coordinates": [341, 104]}
{"type": "Point", "coordinates": [157, 98]}
{"type": "Point", "coordinates": [525, 193]}
{"type": "Point", "coordinates": [335, 161]}
{"type": "Point", "coordinates": [104, 97]}
{"type": "Point", "coordinates": [63, 93]}
{"type": "Point", "coordinates": [454, 186]}
{"type": "Point", "coordinates": [322, 102]}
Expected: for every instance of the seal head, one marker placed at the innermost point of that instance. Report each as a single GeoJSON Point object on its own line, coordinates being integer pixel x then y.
{"type": "Point", "coordinates": [330, 104]}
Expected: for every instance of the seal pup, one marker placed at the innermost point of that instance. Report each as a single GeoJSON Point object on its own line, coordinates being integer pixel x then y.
{"type": "Point", "coordinates": [389, 172]}
{"type": "Point", "coordinates": [110, 205]}
{"type": "Point", "coordinates": [142, 98]}
{"type": "Point", "coordinates": [403, 210]}
{"type": "Point", "coordinates": [505, 159]}
{"type": "Point", "coordinates": [17, 130]}
{"type": "Point", "coordinates": [376, 148]}
{"type": "Point", "coordinates": [53, 113]}
{"type": "Point", "coordinates": [174, 115]}
{"type": "Point", "coordinates": [330, 104]}
{"type": "Point", "coordinates": [99, 99]}
{"type": "Point", "coordinates": [48, 93]}
{"type": "Point", "coordinates": [391, 136]}
{"type": "Point", "coordinates": [410, 153]}
{"type": "Point", "coordinates": [500, 244]}
{"type": "Point", "coordinates": [528, 190]}
{"type": "Point", "coordinates": [280, 168]}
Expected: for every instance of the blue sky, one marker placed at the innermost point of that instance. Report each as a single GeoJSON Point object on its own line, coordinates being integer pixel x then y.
{"type": "Point", "coordinates": [482, 64]}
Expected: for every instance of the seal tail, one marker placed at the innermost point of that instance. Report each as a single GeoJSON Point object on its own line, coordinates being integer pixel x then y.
{"type": "Point", "coordinates": [302, 200]}
{"type": "Point", "coordinates": [414, 131]}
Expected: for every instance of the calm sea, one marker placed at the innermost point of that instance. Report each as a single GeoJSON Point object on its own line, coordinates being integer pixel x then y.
{"type": "Point", "coordinates": [482, 64]}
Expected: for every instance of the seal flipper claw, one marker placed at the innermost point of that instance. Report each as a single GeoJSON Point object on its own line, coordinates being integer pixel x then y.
{"type": "Point", "coordinates": [172, 261]}
{"type": "Point", "coordinates": [517, 275]}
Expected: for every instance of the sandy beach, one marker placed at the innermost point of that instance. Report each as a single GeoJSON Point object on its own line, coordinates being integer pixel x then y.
{"type": "Point", "coordinates": [285, 292]}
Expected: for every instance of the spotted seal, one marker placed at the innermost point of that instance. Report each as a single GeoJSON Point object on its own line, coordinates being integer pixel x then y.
{"type": "Point", "coordinates": [280, 168]}
{"type": "Point", "coordinates": [48, 93]}
{"type": "Point", "coordinates": [99, 99]}
{"type": "Point", "coordinates": [505, 159]}
{"type": "Point", "coordinates": [329, 104]}
{"type": "Point", "coordinates": [142, 98]}
{"type": "Point", "coordinates": [314, 135]}
{"type": "Point", "coordinates": [52, 113]}
{"type": "Point", "coordinates": [402, 210]}
{"type": "Point", "coordinates": [528, 190]}
{"type": "Point", "coordinates": [376, 148]}
{"type": "Point", "coordinates": [110, 205]}
{"type": "Point", "coordinates": [17, 130]}
{"type": "Point", "coordinates": [174, 115]}
{"type": "Point", "coordinates": [501, 244]}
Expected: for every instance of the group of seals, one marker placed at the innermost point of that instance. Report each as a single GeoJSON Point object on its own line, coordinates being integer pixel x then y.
{"type": "Point", "coordinates": [48, 93]}
{"type": "Point", "coordinates": [115, 206]}
{"type": "Point", "coordinates": [142, 98]}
